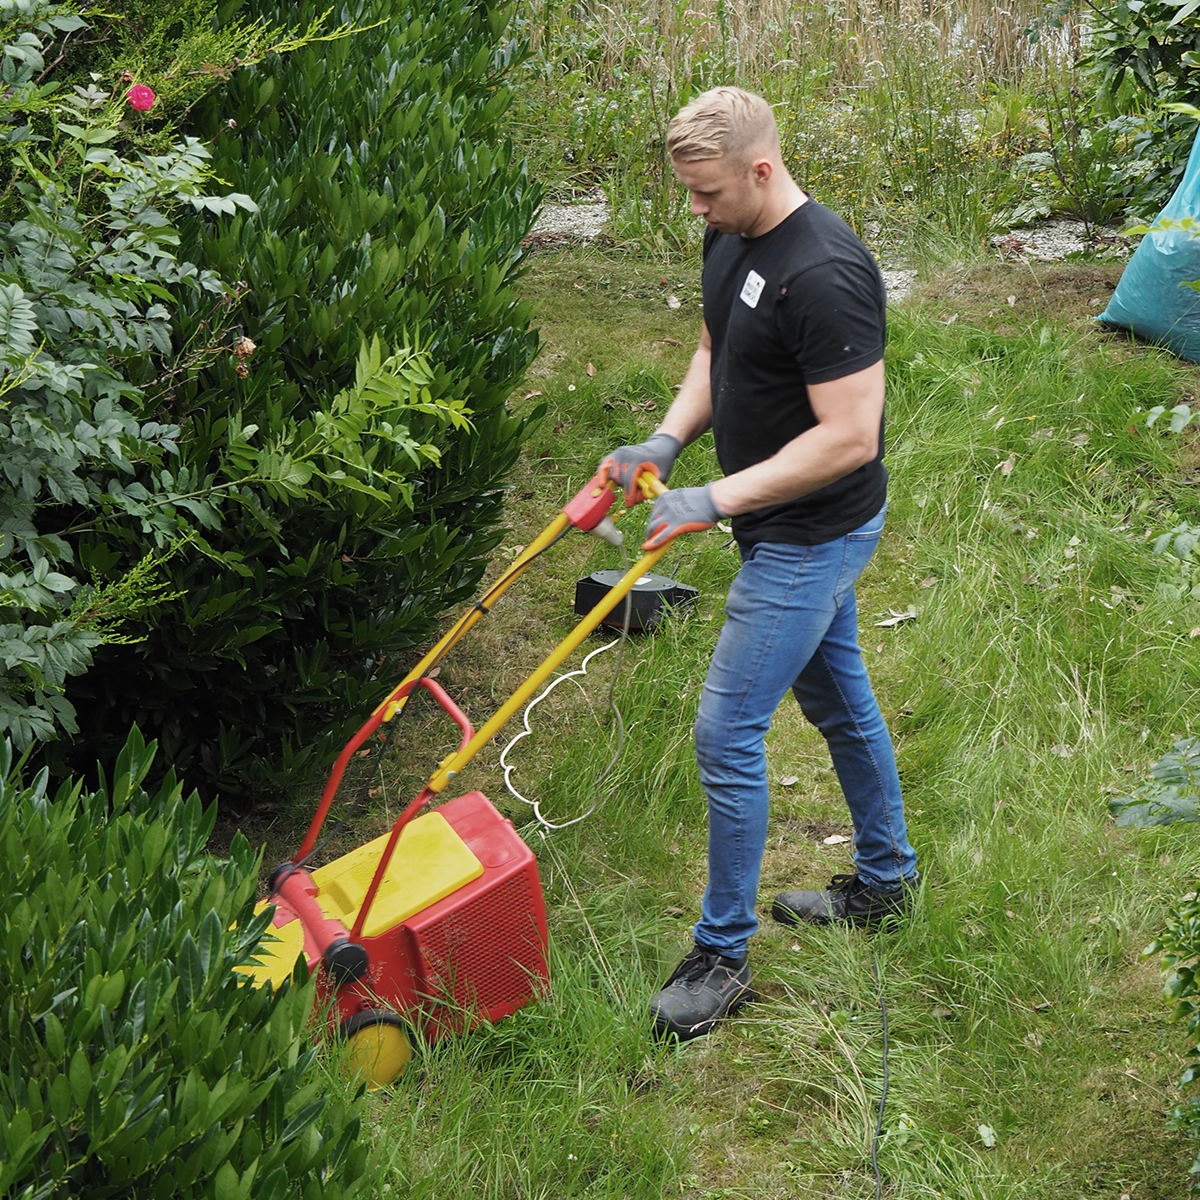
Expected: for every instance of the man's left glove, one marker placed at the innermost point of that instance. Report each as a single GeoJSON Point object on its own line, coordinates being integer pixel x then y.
{"type": "Point", "coordinates": [685, 510]}
{"type": "Point", "coordinates": [626, 463]}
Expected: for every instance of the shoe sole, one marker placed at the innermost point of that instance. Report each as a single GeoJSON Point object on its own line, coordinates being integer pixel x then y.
{"type": "Point", "coordinates": [785, 916]}
{"type": "Point", "coordinates": [664, 1029]}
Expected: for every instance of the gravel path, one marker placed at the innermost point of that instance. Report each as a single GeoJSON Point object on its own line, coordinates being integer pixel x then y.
{"type": "Point", "coordinates": [567, 224]}
{"type": "Point", "coordinates": [561, 225]}
{"type": "Point", "coordinates": [1052, 241]}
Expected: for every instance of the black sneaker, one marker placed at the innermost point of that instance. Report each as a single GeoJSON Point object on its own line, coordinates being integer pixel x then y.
{"type": "Point", "coordinates": [848, 899]}
{"type": "Point", "coordinates": [705, 987]}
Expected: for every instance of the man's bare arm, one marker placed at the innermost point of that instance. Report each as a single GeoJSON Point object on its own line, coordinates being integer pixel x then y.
{"type": "Point", "coordinates": [690, 413]}
{"type": "Point", "coordinates": [846, 436]}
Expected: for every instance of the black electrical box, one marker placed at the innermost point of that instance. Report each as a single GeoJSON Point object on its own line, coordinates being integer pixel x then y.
{"type": "Point", "coordinates": [651, 596]}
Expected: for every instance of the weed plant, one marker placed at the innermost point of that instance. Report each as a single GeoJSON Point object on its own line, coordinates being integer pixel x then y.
{"type": "Point", "coordinates": [1049, 661]}
{"type": "Point", "coordinates": [910, 119]}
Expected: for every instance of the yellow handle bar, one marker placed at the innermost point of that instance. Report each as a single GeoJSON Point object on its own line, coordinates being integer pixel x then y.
{"type": "Point", "coordinates": [392, 703]}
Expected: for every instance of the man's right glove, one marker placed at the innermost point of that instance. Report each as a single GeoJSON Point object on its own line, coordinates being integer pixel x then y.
{"type": "Point", "coordinates": [685, 510]}
{"type": "Point", "coordinates": [657, 454]}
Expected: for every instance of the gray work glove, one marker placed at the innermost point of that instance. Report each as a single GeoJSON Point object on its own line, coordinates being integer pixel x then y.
{"type": "Point", "coordinates": [685, 510]}
{"type": "Point", "coordinates": [657, 454]}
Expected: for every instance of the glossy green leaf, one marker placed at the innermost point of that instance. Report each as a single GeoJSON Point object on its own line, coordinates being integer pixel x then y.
{"type": "Point", "coordinates": [80, 1076]}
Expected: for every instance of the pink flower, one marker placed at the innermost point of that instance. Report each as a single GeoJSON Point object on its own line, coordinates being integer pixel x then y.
{"type": "Point", "coordinates": [141, 98]}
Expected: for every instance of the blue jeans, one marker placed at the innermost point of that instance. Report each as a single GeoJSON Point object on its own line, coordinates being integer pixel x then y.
{"type": "Point", "coordinates": [791, 621]}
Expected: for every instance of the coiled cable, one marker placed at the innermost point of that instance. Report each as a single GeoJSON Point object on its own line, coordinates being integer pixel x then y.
{"type": "Point", "coordinates": [620, 643]}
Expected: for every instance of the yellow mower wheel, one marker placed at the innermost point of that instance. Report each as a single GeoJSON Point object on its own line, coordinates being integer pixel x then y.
{"type": "Point", "coordinates": [377, 1047]}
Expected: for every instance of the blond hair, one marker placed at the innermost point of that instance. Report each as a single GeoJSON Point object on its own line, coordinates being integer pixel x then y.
{"type": "Point", "coordinates": [725, 122]}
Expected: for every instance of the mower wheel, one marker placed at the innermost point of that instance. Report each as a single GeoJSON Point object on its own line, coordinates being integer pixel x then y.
{"type": "Point", "coordinates": [378, 1049]}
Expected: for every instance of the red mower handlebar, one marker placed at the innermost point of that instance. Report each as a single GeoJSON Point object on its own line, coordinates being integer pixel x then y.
{"type": "Point", "coordinates": [372, 724]}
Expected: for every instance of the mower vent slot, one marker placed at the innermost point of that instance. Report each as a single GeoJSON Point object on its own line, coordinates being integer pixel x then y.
{"type": "Point", "coordinates": [486, 956]}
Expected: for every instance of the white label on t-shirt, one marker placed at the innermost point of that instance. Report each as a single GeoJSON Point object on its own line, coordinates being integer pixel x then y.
{"type": "Point", "coordinates": [752, 288]}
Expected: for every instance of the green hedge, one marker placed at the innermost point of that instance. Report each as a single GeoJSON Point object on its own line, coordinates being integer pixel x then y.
{"type": "Point", "coordinates": [390, 206]}
{"type": "Point", "coordinates": [135, 1063]}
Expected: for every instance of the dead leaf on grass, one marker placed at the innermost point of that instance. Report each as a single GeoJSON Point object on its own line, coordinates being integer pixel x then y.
{"type": "Point", "coordinates": [929, 581]}
{"type": "Point", "coordinates": [673, 301]}
{"type": "Point", "coordinates": [591, 368]}
{"type": "Point", "coordinates": [835, 839]}
{"type": "Point", "coordinates": [943, 1013]}
{"type": "Point", "coordinates": [789, 781]}
{"type": "Point", "coordinates": [1011, 301]}
{"type": "Point", "coordinates": [1006, 467]}
{"type": "Point", "coordinates": [671, 341]}
{"type": "Point", "coordinates": [896, 618]}
{"type": "Point", "coordinates": [530, 395]}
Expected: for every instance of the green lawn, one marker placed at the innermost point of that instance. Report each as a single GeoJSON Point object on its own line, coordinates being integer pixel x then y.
{"type": "Point", "coordinates": [1046, 667]}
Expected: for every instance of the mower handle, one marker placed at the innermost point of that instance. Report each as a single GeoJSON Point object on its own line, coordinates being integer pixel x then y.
{"type": "Point", "coordinates": [373, 722]}
{"type": "Point", "coordinates": [585, 511]}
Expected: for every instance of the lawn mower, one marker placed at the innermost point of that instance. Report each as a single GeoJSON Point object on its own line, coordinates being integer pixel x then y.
{"type": "Point", "coordinates": [439, 923]}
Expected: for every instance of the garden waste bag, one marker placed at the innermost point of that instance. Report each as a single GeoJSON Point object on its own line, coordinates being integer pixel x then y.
{"type": "Point", "coordinates": [1151, 298]}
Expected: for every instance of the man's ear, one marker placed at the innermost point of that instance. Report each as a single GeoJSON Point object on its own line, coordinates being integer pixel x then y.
{"type": "Point", "coordinates": [762, 169]}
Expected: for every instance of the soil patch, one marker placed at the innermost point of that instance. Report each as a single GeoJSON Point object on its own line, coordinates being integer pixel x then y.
{"type": "Point", "coordinates": [1006, 296]}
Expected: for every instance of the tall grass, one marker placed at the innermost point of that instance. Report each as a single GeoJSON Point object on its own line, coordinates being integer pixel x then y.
{"type": "Point", "coordinates": [906, 117]}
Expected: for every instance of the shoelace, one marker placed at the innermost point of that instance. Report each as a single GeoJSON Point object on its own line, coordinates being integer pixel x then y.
{"type": "Point", "coordinates": [694, 968]}
{"type": "Point", "coordinates": [846, 883]}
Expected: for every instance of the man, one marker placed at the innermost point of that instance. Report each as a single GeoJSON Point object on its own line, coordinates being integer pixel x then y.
{"type": "Point", "coordinates": [789, 376]}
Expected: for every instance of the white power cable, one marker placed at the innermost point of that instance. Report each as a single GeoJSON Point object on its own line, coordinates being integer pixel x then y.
{"type": "Point", "coordinates": [509, 768]}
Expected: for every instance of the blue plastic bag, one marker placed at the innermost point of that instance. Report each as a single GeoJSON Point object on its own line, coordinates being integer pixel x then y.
{"type": "Point", "coordinates": [1150, 298]}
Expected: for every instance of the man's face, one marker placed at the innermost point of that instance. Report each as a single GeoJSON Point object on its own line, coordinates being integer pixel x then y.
{"type": "Point", "coordinates": [726, 194]}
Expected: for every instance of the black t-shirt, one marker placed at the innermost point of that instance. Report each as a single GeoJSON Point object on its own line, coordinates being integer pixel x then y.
{"type": "Point", "coordinates": [803, 303]}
